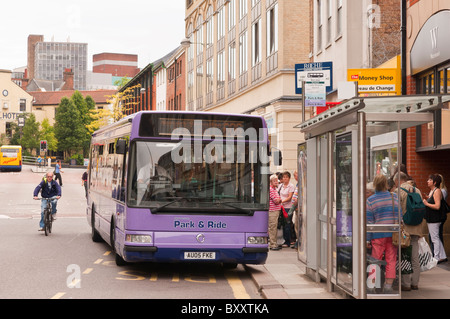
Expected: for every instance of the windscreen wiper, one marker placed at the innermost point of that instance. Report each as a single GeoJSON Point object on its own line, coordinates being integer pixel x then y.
{"type": "Point", "coordinates": [241, 209]}
{"type": "Point", "coordinates": [157, 209]}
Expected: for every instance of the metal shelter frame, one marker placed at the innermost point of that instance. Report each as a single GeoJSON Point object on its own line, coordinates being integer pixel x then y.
{"type": "Point", "coordinates": [333, 213]}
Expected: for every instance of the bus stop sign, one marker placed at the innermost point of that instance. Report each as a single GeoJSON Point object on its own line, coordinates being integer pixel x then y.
{"type": "Point", "coordinates": [314, 72]}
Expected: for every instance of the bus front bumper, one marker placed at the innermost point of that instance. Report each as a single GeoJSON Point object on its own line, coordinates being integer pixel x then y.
{"type": "Point", "coordinates": [245, 255]}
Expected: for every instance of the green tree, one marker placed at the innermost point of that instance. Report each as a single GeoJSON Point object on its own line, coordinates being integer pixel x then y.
{"type": "Point", "coordinates": [30, 134]}
{"type": "Point", "coordinates": [84, 106]}
{"type": "Point", "coordinates": [69, 129]}
{"type": "Point", "coordinates": [48, 133]}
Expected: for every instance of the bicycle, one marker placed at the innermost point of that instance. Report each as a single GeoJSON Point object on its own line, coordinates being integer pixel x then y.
{"type": "Point", "coordinates": [48, 216]}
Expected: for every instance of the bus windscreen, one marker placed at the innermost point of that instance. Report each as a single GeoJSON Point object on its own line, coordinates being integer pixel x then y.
{"type": "Point", "coordinates": [170, 177]}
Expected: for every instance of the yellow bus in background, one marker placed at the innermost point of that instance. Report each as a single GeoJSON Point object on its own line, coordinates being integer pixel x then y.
{"type": "Point", "coordinates": [11, 158]}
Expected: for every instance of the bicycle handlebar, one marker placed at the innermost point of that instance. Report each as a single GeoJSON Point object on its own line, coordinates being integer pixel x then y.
{"type": "Point", "coordinates": [50, 198]}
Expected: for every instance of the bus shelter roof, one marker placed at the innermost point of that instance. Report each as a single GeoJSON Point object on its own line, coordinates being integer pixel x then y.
{"type": "Point", "coordinates": [406, 110]}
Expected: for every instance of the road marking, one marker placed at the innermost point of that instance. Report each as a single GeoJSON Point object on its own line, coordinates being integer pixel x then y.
{"type": "Point", "coordinates": [107, 253]}
{"type": "Point", "coordinates": [58, 295]}
{"type": "Point", "coordinates": [237, 286]}
{"type": "Point", "coordinates": [74, 283]}
{"type": "Point", "coordinates": [98, 261]}
{"type": "Point", "coordinates": [87, 271]}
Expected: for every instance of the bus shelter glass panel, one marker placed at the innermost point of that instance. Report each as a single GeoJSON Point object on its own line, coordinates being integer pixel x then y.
{"type": "Point", "coordinates": [384, 155]}
{"type": "Point", "coordinates": [323, 198]}
{"type": "Point", "coordinates": [344, 212]}
{"type": "Point", "coordinates": [382, 217]}
{"type": "Point", "coordinates": [300, 219]}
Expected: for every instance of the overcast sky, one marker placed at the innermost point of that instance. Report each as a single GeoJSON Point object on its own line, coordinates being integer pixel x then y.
{"type": "Point", "coordinates": [148, 28]}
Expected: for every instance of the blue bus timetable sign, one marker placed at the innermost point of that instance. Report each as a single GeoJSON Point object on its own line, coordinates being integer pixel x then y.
{"type": "Point", "coordinates": [314, 72]}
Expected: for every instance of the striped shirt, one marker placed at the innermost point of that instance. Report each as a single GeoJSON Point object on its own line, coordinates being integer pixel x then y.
{"type": "Point", "coordinates": [379, 211]}
{"type": "Point", "coordinates": [273, 195]}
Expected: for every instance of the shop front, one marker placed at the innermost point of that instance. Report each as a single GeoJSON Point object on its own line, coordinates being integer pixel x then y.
{"type": "Point", "coordinates": [345, 148]}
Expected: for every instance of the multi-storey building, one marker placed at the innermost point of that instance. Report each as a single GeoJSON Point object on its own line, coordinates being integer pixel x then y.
{"type": "Point", "coordinates": [240, 58]}
{"type": "Point", "coordinates": [158, 86]}
{"type": "Point", "coordinates": [428, 72]}
{"type": "Point", "coordinates": [176, 81]}
{"type": "Point", "coordinates": [14, 102]}
{"type": "Point", "coordinates": [117, 64]}
{"type": "Point", "coordinates": [355, 34]}
{"type": "Point", "coordinates": [48, 60]}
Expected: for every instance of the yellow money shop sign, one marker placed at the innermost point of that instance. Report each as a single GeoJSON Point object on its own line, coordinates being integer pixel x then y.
{"type": "Point", "coordinates": [376, 81]}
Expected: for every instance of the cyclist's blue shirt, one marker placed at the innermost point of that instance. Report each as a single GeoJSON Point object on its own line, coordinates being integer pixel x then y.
{"type": "Point", "coordinates": [47, 192]}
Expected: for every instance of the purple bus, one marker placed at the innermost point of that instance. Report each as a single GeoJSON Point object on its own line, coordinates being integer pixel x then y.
{"type": "Point", "coordinates": [181, 186]}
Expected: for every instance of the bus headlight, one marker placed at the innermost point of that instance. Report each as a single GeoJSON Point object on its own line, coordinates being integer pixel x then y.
{"type": "Point", "coordinates": [142, 239]}
{"type": "Point", "coordinates": [257, 240]}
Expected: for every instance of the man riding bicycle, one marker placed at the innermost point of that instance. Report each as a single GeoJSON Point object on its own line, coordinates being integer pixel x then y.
{"type": "Point", "coordinates": [50, 189]}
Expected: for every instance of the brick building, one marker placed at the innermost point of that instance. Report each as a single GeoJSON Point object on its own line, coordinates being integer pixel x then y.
{"type": "Point", "coordinates": [176, 80]}
{"type": "Point", "coordinates": [428, 72]}
{"type": "Point", "coordinates": [117, 64]}
{"type": "Point", "coordinates": [153, 88]}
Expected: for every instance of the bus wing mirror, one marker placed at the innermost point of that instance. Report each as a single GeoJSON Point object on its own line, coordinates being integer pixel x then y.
{"type": "Point", "coordinates": [121, 147]}
{"type": "Point", "coordinates": [277, 158]}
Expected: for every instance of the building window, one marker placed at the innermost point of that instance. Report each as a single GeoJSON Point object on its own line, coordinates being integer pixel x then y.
{"type": "Point", "coordinates": [436, 133]}
{"type": "Point", "coordinates": [221, 23]}
{"type": "Point", "coordinates": [232, 62]}
{"type": "Point", "coordinates": [199, 82]}
{"type": "Point", "coordinates": [23, 105]}
{"type": "Point", "coordinates": [339, 18]}
{"type": "Point", "coordinates": [231, 14]}
{"type": "Point", "coordinates": [199, 35]}
{"type": "Point", "coordinates": [329, 15]}
{"type": "Point", "coordinates": [190, 50]}
{"type": "Point", "coordinates": [209, 76]}
{"type": "Point", "coordinates": [256, 43]}
{"type": "Point", "coordinates": [243, 53]}
{"type": "Point", "coordinates": [190, 87]}
{"type": "Point", "coordinates": [8, 129]}
{"type": "Point", "coordinates": [319, 25]}
{"type": "Point", "coordinates": [242, 9]}
{"type": "Point", "coordinates": [272, 30]}
{"type": "Point", "coordinates": [209, 28]}
{"type": "Point", "coordinates": [220, 69]}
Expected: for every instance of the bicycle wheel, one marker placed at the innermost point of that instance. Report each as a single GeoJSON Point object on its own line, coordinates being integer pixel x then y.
{"type": "Point", "coordinates": [47, 222]}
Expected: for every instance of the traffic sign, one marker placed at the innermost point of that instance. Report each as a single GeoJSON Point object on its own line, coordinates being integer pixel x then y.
{"type": "Point", "coordinates": [314, 72]}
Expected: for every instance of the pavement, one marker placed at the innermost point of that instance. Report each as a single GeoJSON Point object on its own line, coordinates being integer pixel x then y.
{"type": "Point", "coordinates": [283, 276]}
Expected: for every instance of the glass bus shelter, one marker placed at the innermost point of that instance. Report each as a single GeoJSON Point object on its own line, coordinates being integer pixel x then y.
{"type": "Point", "coordinates": [345, 147]}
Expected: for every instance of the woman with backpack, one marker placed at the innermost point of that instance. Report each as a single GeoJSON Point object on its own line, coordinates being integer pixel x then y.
{"type": "Point", "coordinates": [410, 281]}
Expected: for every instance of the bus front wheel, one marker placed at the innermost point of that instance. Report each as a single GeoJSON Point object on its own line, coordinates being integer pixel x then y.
{"type": "Point", "coordinates": [119, 260]}
{"type": "Point", "coordinates": [94, 233]}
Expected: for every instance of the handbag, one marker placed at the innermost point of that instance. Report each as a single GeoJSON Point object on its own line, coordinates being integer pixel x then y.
{"type": "Point", "coordinates": [405, 239]}
{"type": "Point", "coordinates": [283, 210]}
{"type": "Point", "coordinates": [445, 207]}
{"type": "Point", "coordinates": [426, 259]}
